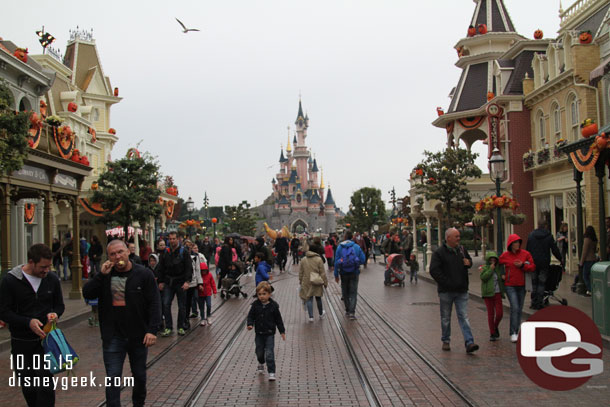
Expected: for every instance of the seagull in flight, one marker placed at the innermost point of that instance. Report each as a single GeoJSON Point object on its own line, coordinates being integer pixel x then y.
{"type": "Point", "coordinates": [184, 29]}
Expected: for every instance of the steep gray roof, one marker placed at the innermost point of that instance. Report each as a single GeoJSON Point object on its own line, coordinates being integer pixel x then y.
{"type": "Point", "coordinates": [282, 158]}
{"type": "Point", "coordinates": [500, 20]}
{"type": "Point", "coordinates": [329, 198]}
{"type": "Point", "coordinates": [315, 166]}
{"type": "Point", "coordinates": [472, 88]}
{"type": "Point", "coordinates": [523, 64]}
{"type": "Point", "coordinates": [592, 23]}
{"type": "Point", "coordinates": [284, 201]}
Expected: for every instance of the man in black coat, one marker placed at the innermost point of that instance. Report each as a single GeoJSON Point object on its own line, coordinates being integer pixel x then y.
{"type": "Point", "coordinates": [540, 244]}
{"type": "Point", "coordinates": [449, 268]}
{"type": "Point", "coordinates": [281, 248]}
{"type": "Point", "coordinates": [130, 316]}
{"type": "Point", "coordinates": [30, 296]}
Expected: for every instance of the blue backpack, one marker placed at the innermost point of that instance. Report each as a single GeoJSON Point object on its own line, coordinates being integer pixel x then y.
{"type": "Point", "coordinates": [348, 261]}
{"type": "Point", "coordinates": [58, 352]}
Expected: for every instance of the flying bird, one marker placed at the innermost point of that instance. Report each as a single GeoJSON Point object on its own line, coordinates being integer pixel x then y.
{"type": "Point", "coordinates": [184, 29]}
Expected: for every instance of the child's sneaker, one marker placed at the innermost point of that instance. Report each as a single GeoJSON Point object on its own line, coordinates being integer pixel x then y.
{"type": "Point", "coordinates": [166, 332]}
{"type": "Point", "coordinates": [271, 377]}
{"type": "Point", "coordinates": [260, 369]}
{"type": "Point", "coordinates": [181, 332]}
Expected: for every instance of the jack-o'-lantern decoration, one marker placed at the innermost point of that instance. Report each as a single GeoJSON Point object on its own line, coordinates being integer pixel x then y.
{"type": "Point", "coordinates": [75, 156]}
{"type": "Point", "coordinates": [116, 92]}
{"type": "Point", "coordinates": [440, 111]}
{"type": "Point", "coordinates": [490, 95]}
{"type": "Point", "coordinates": [588, 128]}
{"type": "Point", "coordinates": [94, 186]}
{"type": "Point", "coordinates": [111, 131]}
{"type": "Point", "coordinates": [601, 141]}
{"type": "Point", "coordinates": [419, 172]}
{"type": "Point", "coordinates": [84, 160]}
{"type": "Point", "coordinates": [538, 34]}
{"type": "Point", "coordinates": [472, 31]}
{"type": "Point", "coordinates": [21, 54]}
{"type": "Point", "coordinates": [482, 29]}
{"type": "Point", "coordinates": [585, 37]}
{"type": "Point", "coordinates": [72, 107]}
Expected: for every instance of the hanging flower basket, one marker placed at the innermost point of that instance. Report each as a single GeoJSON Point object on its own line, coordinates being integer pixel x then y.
{"type": "Point", "coordinates": [481, 219]}
{"type": "Point", "coordinates": [543, 156]}
{"type": "Point", "coordinates": [516, 218]}
{"type": "Point", "coordinates": [54, 120]}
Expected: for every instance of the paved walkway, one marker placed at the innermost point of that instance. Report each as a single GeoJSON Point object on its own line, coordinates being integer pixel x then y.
{"type": "Point", "coordinates": [396, 341]}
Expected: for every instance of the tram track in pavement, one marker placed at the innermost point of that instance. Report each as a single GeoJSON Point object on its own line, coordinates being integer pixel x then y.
{"type": "Point", "coordinates": [373, 396]}
{"type": "Point", "coordinates": [209, 373]}
{"type": "Point", "coordinates": [455, 388]}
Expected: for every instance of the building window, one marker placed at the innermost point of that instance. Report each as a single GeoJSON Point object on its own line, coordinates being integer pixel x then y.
{"type": "Point", "coordinates": [540, 129]}
{"type": "Point", "coordinates": [556, 122]}
{"type": "Point", "coordinates": [543, 206]}
{"type": "Point", "coordinates": [574, 121]}
{"type": "Point", "coordinates": [96, 114]}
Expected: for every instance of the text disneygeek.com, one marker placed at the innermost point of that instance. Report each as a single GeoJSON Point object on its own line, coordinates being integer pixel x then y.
{"type": "Point", "coordinates": [66, 382]}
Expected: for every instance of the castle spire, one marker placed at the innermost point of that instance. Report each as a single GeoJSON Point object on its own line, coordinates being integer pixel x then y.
{"type": "Point", "coordinates": [288, 147]}
{"type": "Point", "coordinates": [322, 180]}
{"type": "Point", "coordinates": [300, 115]}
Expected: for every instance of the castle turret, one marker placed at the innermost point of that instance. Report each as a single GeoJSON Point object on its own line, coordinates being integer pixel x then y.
{"type": "Point", "coordinates": [301, 155]}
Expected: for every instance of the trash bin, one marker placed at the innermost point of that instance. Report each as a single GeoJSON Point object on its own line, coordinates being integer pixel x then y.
{"type": "Point", "coordinates": [600, 295]}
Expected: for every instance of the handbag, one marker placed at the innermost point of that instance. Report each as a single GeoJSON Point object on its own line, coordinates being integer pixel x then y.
{"type": "Point", "coordinates": [315, 278]}
{"type": "Point", "coordinates": [58, 351]}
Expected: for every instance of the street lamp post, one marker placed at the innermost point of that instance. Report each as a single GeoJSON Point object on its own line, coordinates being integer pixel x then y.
{"type": "Point", "coordinates": [190, 207]}
{"type": "Point", "coordinates": [496, 173]}
{"type": "Point", "coordinates": [214, 222]}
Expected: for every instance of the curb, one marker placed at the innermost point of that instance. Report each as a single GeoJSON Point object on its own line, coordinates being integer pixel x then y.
{"type": "Point", "coordinates": [528, 313]}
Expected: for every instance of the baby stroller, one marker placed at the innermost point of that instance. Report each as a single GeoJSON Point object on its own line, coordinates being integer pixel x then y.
{"type": "Point", "coordinates": [230, 285]}
{"type": "Point", "coordinates": [552, 284]}
{"type": "Point", "coordinates": [395, 273]}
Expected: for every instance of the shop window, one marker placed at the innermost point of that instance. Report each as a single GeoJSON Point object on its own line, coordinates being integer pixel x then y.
{"type": "Point", "coordinates": [543, 207]}
{"type": "Point", "coordinates": [558, 213]}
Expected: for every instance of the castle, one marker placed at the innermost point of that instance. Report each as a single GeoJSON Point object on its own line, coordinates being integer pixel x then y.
{"type": "Point", "coordinates": [298, 200]}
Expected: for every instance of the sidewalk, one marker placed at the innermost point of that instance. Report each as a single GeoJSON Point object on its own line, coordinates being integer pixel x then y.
{"type": "Point", "coordinates": [585, 304]}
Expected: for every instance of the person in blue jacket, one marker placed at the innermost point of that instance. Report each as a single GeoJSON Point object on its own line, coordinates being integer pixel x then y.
{"type": "Point", "coordinates": [262, 268]}
{"type": "Point", "coordinates": [348, 258]}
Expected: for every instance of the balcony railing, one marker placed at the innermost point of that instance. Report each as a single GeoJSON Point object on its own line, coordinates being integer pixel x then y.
{"type": "Point", "coordinates": [574, 10]}
{"type": "Point", "coordinates": [545, 157]}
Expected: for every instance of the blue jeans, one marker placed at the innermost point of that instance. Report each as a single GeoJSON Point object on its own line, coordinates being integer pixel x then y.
{"type": "Point", "coordinates": [586, 273]}
{"type": "Point", "coordinates": [114, 357]}
{"type": "Point", "coordinates": [309, 304]}
{"type": "Point", "coordinates": [168, 296]}
{"type": "Point", "coordinates": [461, 302]}
{"type": "Point", "coordinates": [203, 303]}
{"type": "Point", "coordinates": [264, 351]}
{"type": "Point", "coordinates": [516, 297]}
{"type": "Point", "coordinates": [349, 291]}
{"type": "Point", "coordinates": [67, 273]}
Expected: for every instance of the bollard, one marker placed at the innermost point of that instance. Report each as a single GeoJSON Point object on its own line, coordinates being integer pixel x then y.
{"type": "Point", "coordinates": [425, 253]}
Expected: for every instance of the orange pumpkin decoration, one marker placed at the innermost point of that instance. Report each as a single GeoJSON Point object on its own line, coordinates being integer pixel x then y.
{"type": "Point", "coordinates": [75, 155]}
{"type": "Point", "coordinates": [499, 202]}
{"type": "Point", "coordinates": [111, 131]}
{"type": "Point", "coordinates": [588, 131]}
{"type": "Point", "coordinates": [482, 29]}
{"type": "Point", "coordinates": [116, 92]}
{"type": "Point", "coordinates": [214, 220]}
{"type": "Point", "coordinates": [21, 54]}
{"type": "Point", "coordinates": [585, 37]}
{"type": "Point", "coordinates": [440, 111]}
{"type": "Point", "coordinates": [43, 109]}
{"type": "Point", "coordinates": [35, 120]}
{"type": "Point", "coordinates": [601, 142]}
{"type": "Point", "coordinates": [72, 107]}
{"type": "Point", "coordinates": [419, 172]}
{"type": "Point", "coordinates": [538, 34]}
{"type": "Point", "coordinates": [472, 31]}
{"type": "Point", "coordinates": [94, 186]}
{"type": "Point", "coordinates": [84, 160]}
{"type": "Point", "coordinates": [490, 95]}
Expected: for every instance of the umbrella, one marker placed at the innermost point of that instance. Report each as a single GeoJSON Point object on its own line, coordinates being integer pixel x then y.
{"type": "Point", "coordinates": [233, 235]}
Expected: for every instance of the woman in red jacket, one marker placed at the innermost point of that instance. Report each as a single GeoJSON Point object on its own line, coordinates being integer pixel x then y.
{"type": "Point", "coordinates": [516, 262]}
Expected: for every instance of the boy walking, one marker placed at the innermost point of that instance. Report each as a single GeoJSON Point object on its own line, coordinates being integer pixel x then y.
{"type": "Point", "coordinates": [265, 317]}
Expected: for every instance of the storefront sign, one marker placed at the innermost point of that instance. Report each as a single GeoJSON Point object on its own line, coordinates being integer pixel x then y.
{"type": "Point", "coordinates": [31, 173]}
{"type": "Point", "coordinates": [66, 181]}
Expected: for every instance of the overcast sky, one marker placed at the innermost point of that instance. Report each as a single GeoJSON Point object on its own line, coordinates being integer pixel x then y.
{"type": "Point", "coordinates": [214, 105]}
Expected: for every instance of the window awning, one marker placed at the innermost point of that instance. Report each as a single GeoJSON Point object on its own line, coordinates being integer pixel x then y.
{"type": "Point", "coordinates": [599, 71]}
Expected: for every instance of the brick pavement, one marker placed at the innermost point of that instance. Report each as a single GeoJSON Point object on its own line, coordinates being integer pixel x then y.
{"type": "Point", "coordinates": [314, 367]}
{"type": "Point", "coordinates": [492, 374]}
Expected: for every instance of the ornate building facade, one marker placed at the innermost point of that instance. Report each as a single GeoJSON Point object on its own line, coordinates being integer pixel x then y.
{"type": "Point", "coordinates": [299, 200]}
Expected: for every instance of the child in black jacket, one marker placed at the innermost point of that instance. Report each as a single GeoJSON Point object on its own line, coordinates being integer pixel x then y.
{"type": "Point", "coordinates": [265, 317]}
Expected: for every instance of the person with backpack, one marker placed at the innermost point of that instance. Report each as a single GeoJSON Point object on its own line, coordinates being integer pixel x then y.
{"type": "Point", "coordinates": [175, 273]}
{"type": "Point", "coordinates": [348, 259]}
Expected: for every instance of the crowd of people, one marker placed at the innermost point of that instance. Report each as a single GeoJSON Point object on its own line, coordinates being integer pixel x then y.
{"type": "Point", "coordinates": [131, 294]}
